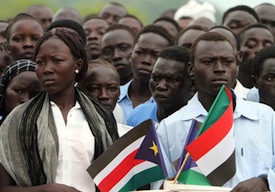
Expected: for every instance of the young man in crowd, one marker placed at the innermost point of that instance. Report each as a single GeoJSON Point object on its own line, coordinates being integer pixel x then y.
{"type": "Point", "coordinates": [170, 86]}
{"type": "Point", "coordinates": [214, 64]}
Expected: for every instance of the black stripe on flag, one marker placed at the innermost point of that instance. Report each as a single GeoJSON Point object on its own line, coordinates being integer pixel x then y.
{"type": "Point", "coordinates": [102, 161]}
{"type": "Point", "coordinates": [224, 172]}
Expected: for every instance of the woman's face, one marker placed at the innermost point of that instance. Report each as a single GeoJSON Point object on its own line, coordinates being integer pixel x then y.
{"type": "Point", "coordinates": [55, 67]}
{"type": "Point", "coordinates": [23, 37]}
{"type": "Point", "coordinates": [102, 84]}
{"type": "Point", "coordinates": [20, 89]}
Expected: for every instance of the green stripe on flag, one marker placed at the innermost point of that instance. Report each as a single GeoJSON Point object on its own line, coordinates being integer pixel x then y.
{"type": "Point", "coordinates": [193, 178]}
{"type": "Point", "coordinates": [153, 174]}
{"type": "Point", "coordinates": [217, 109]}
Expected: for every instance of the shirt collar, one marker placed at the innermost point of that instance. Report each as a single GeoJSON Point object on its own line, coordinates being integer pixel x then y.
{"type": "Point", "coordinates": [76, 106]}
{"type": "Point", "coordinates": [242, 109]}
{"type": "Point", "coordinates": [194, 109]}
{"type": "Point", "coordinates": [124, 90]}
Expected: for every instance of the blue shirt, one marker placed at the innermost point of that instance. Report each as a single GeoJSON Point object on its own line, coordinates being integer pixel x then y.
{"type": "Point", "coordinates": [143, 112]}
{"type": "Point", "coordinates": [125, 102]}
{"type": "Point", "coordinates": [254, 132]}
{"type": "Point", "coordinates": [253, 95]}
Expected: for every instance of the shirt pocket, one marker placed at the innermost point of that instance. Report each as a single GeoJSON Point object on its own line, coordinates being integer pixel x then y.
{"type": "Point", "coordinates": [256, 156]}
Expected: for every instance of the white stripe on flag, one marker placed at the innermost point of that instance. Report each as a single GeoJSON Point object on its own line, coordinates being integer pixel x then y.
{"type": "Point", "coordinates": [135, 170]}
{"type": "Point", "coordinates": [117, 160]}
{"type": "Point", "coordinates": [197, 169]}
{"type": "Point", "coordinates": [218, 154]}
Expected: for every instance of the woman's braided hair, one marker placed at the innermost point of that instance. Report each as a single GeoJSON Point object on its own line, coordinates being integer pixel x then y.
{"type": "Point", "coordinates": [73, 41]}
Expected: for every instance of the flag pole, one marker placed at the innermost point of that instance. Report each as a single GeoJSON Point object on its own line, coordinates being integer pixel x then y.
{"type": "Point", "coordinates": [181, 167]}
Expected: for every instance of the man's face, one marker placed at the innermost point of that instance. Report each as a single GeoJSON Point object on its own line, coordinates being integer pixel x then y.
{"type": "Point", "coordinates": [167, 83]}
{"type": "Point", "coordinates": [214, 65]}
{"type": "Point", "coordinates": [112, 13]}
{"type": "Point", "coordinates": [238, 20]}
{"type": "Point", "coordinates": [116, 47]}
{"type": "Point", "coordinates": [254, 40]}
{"type": "Point", "coordinates": [94, 30]}
{"type": "Point", "coordinates": [266, 14]}
{"type": "Point", "coordinates": [145, 53]}
{"type": "Point", "coordinates": [186, 40]}
{"type": "Point", "coordinates": [266, 82]}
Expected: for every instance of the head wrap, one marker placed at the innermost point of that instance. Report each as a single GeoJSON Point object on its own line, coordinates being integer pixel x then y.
{"type": "Point", "coordinates": [11, 71]}
{"type": "Point", "coordinates": [195, 10]}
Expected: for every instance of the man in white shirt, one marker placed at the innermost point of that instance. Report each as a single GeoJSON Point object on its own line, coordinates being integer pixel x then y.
{"type": "Point", "coordinates": [213, 64]}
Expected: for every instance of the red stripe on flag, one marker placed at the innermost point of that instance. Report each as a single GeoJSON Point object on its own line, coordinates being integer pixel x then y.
{"type": "Point", "coordinates": [119, 172]}
{"type": "Point", "coordinates": [212, 136]}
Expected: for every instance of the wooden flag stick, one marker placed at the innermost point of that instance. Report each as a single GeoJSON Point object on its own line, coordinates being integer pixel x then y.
{"type": "Point", "coordinates": [181, 167]}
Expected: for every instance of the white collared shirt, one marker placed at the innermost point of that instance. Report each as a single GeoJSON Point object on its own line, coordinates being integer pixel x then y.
{"type": "Point", "coordinates": [254, 132]}
{"type": "Point", "coordinates": [240, 90]}
{"type": "Point", "coordinates": [76, 149]}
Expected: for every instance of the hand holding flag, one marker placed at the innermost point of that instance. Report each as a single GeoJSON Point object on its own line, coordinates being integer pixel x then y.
{"type": "Point", "coordinates": [214, 149]}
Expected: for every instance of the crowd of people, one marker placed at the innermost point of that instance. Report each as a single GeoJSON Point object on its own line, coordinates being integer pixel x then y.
{"type": "Point", "coordinates": [70, 86]}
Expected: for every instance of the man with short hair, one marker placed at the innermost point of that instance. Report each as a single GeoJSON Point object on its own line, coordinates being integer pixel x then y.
{"type": "Point", "coordinates": [116, 45]}
{"type": "Point", "coordinates": [149, 42]}
{"type": "Point", "coordinates": [214, 64]}
{"type": "Point", "coordinates": [252, 39]}
{"type": "Point", "coordinates": [266, 13]}
{"type": "Point", "coordinates": [263, 70]}
{"type": "Point", "coordinates": [112, 12]}
{"type": "Point", "coordinates": [239, 17]}
{"type": "Point", "coordinates": [170, 86]}
{"type": "Point", "coordinates": [41, 12]}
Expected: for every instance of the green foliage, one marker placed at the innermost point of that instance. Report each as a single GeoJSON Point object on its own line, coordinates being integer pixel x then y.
{"type": "Point", "coordinates": [145, 10]}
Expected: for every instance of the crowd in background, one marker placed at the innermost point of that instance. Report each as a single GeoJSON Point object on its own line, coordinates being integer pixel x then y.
{"type": "Point", "coordinates": [108, 72]}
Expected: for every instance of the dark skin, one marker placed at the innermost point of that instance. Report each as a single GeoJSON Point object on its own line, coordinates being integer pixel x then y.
{"type": "Point", "coordinates": [238, 20]}
{"type": "Point", "coordinates": [56, 71]}
{"type": "Point", "coordinates": [254, 40]}
{"type": "Point", "coordinates": [23, 37]}
{"type": "Point", "coordinates": [142, 60]}
{"type": "Point", "coordinates": [266, 15]}
{"type": "Point", "coordinates": [253, 184]}
{"type": "Point", "coordinates": [266, 82]}
{"type": "Point", "coordinates": [116, 47]}
{"type": "Point", "coordinates": [168, 86]}
{"type": "Point", "coordinates": [20, 89]}
{"type": "Point", "coordinates": [7, 184]}
{"type": "Point", "coordinates": [111, 13]}
{"type": "Point", "coordinates": [139, 93]}
{"type": "Point", "coordinates": [215, 64]}
{"type": "Point", "coordinates": [94, 30]}
{"type": "Point", "coordinates": [56, 75]}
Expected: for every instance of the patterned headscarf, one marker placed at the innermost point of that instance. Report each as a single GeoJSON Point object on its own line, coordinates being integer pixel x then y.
{"type": "Point", "coordinates": [11, 71]}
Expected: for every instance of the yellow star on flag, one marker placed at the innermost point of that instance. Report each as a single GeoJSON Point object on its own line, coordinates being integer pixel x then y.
{"type": "Point", "coordinates": [154, 148]}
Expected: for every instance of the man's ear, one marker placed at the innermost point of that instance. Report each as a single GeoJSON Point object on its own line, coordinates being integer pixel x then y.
{"type": "Point", "coordinates": [129, 56]}
{"type": "Point", "coordinates": [239, 57]}
{"type": "Point", "coordinates": [255, 80]}
{"type": "Point", "coordinates": [190, 69]}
